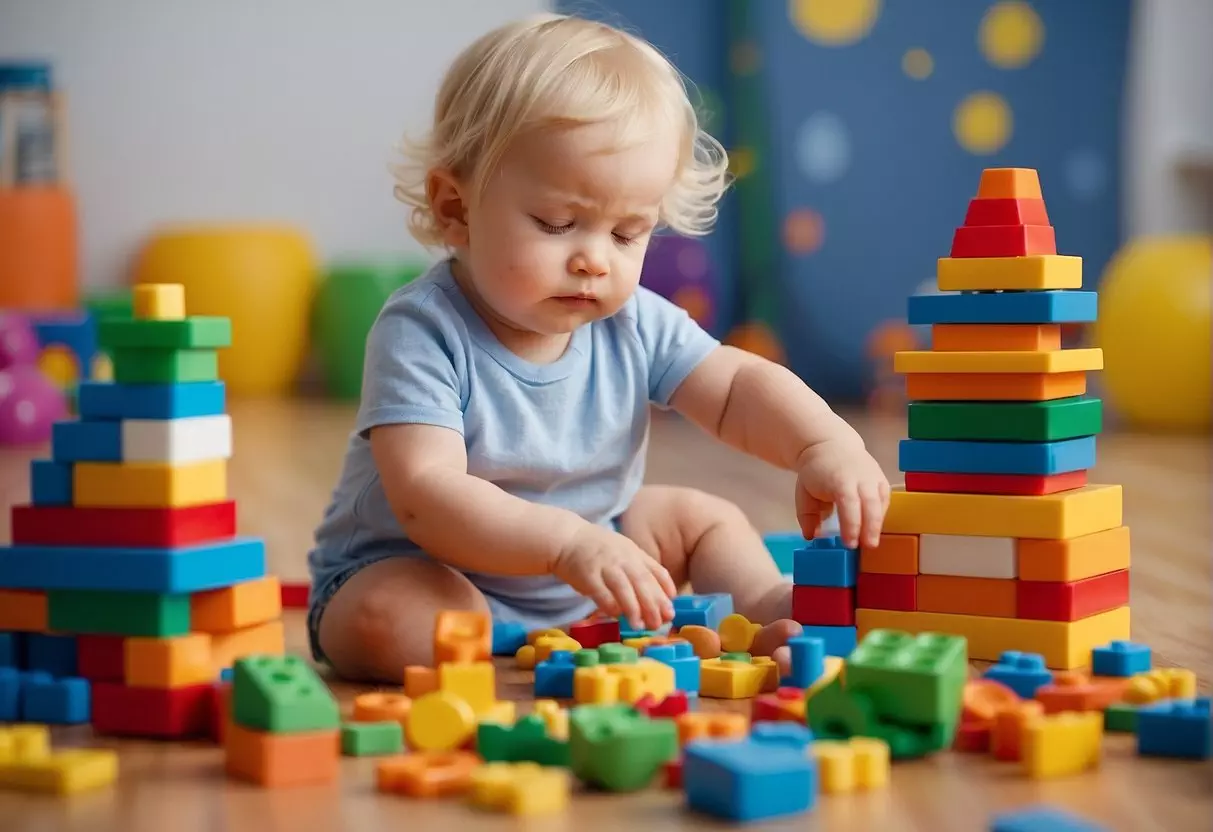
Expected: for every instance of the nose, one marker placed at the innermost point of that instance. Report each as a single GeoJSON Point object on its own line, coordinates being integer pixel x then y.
{"type": "Point", "coordinates": [588, 261]}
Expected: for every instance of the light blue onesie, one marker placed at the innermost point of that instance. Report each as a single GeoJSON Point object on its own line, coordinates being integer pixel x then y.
{"type": "Point", "coordinates": [572, 433]}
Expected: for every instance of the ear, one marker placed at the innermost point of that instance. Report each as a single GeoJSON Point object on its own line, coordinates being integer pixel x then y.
{"type": "Point", "coordinates": [446, 196]}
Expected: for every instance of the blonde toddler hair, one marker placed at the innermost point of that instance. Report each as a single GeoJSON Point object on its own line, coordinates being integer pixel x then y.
{"type": "Point", "coordinates": [556, 70]}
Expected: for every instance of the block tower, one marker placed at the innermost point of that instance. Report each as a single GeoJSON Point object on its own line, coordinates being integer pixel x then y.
{"type": "Point", "coordinates": [126, 591]}
{"type": "Point", "coordinates": [996, 534]}
{"type": "Point", "coordinates": [823, 593]}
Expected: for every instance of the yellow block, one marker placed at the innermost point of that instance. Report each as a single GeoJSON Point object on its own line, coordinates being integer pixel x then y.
{"type": "Point", "coordinates": [719, 679]}
{"type": "Point", "coordinates": [148, 484]}
{"type": "Point", "coordinates": [1058, 745]}
{"type": "Point", "coordinates": [1059, 516]}
{"type": "Point", "coordinates": [159, 301]}
{"type": "Point", "coordinates": [606, 684]}
{"type": "Point", "coordinates": [1065, 645]}
{"type": "Point", "coordinates": [1009, 183]}
{"type": "Point", "coordinates": [1036, 361]}
{"type": "Point", "coordinates": [473, 682]}
{"type": "Point", "coordinates": [1161, 683]}
{"type": "Point", "coordinates": [1034, 271]}
{"type": "Point", "coordinates": [22, 744]}
{"type": "Point", "coordinates": [555, 718]}
{"type": "Point", "coordinates": [524, 788]}
{"type": "Point", "coordinates": [69, 771]}
{"type": "Point", "coordinates": [439, 721]}
{"type": "Point", "coordinates": [858, 763]}
{"type": "Point", "coordinates": [737, 633]}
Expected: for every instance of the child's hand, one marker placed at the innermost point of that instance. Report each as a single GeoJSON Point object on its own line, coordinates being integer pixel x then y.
{"type": "Point", "coordinates": [612, 570]}
{"type": "Point", "coordinates": [841, 474]}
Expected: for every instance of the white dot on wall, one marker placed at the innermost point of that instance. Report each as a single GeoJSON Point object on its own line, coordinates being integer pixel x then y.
{"type": "Point", "coordinates": [1086, 174]}
{"type": "Point", "coordinates": [692, 263]}
{"type": "Point", "coordinates": [26, 412]}
{"type": "Point", "coordinates": [823, 147]}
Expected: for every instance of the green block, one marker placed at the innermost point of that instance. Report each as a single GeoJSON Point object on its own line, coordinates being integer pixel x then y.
{"type": "Point", "coordinates": [585, 658]}
{"type": "Point", "coordinates": [616, 653]}
{"type": "Point", "coordinates": [282, 694]}
{"type": "Point", "coordinates": [735, 657]}
{"type": "Point", "coordinates": [911, 679]}
{"type": "Point", "coordinates": [194, 333]}
{"type": "Point", "coordinates": [1120, 717]}
{"type": "Point", "coordinates": [117, 613]}
{"type": "Point", "coordinates": [1006, 421]}
{"type": "Point", "coordinates": [526, 740]}
{"type": "Point", "coordinates": [617, 748]}
{"type": "Point", "coordinates": [164, 366]}
{"type": "Point", "coordinates": [371, 739]}
{"type": "Point", "coordinates": [835, 713]}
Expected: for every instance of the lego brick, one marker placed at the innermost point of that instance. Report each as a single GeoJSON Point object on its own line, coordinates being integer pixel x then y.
{"type": "Point", "coordinates": [184, 440]}
{"type": "Point", "coordinates": [119, 613]}
{"type": "Point", "coordinates": [1068, 514]}
{"type": "Point", "coordinates": [1041, 819]}
{"type": "Point", "coordinates": [682, 659]}
{"type": "Point", "coordinates": [1120, 717]}
{"type": "Point", "coordinates": [86, 442]}
{"type": "Point", "coordinates": [237, 606]}
{"type": "Point", "coordinates": [12, 649]}
{"type": "Point", "coordinates": [1062, 744]}
{"type": "Point", "coordinates": [508, 636]}
{"type": "Point", "coordinates": [173, 571]}
{"type": "Point", "coordinates": [1024, 673]}
{"type": "Point", "coordinates": [164, 366]}
{"type": "Point", "coordinates": [825, 561]}
{"type": "Point", "coordinates": [52, 653]}
{"type": "Point", "coordinates": [63, 701]}
{"type": "Point", "coordinates": [1010, 387]}
{"type": "Point", "coordinates": [14, 687]}
{"type": "Point", "coordinates": [702, 610]}
{"type": "Point", "coordinates": [23, 610]}
{"type": "Point", "coordinates": [1071, 600]}
{"type": "Point", "coordinates": [158, 302]}
{"type": "Point", "coordinates": [62, 772]}
{"type": "Point", "coordinates": [783, 546]}
{"type": "Point", "coordinates": [279, 760]}
{"type": "Point", "coordinates": [995, 337]}
{"type": "Point", "coordinates": [839, 641]}
{"type": "Point", "coordinates": [964, 595]}
{"type": "Point", "coordinates": [1044, 421]}
{"type": "Point", "coordinates": [50, 483]}
{"type": "Point", "coordinates": [1003, 241]}
{"type": "Point", "coordinates": [462, 636]}
{"type": "Point", "coordinates": [123, 527]}
{"type": "Point", "coordinates": [1040, 458]}
{"type": "Point", "coordinates": [1075, 558]}
{"type": "Point", "coordinates": [1160, 683]}
{"type": "Point", "coordinates": [965, 556]}
{"type": "Point", "coordinates": [909, 679]}
{"type": "Point", "coordinates": [523, 789]}
{"type": "Point", "coordinates": [808, 660]}
{"type": "Point", "coordinates": [591, 632]}
{"type": "Point", "coordinates": [610, 683]}
{"type": "Point", "coordinates": [615, 748]}
{"type": "Point", "coordinates": [427, 774]}
{"type": "Point", "coordinates": [831, 606]}
{"type": "Point", "coordinates": [149, 484]}
{"type": "Point", "coordinates": [737, 676]}
{"type": "Point", "coordinates": [281, 694]}
{"type": "Point", "coordinates": [1065, 645]}
{"type": "Point", "coordinates": [105, 400]}
{"type": "Point", "coordinates": [857, 764]}
{"type": "Point", "coordinates": [1176, 728]}
{"type": "Point", "coordinates": [751, 779]}
{"type": "Point", "coordinates": [1006, 211]}
{"type": "Point", "coordinates": [1021, 484]}
{"type": "Point", "coordinates": [528, 739]}
{"type": "Point", "coordinates": [674, 705]}
{"type": "Point", "coordinates": [1121, 658]}
{"type": "Point", "coordinates": [897, 554]}
{"type": "Point", "coordinates": [198, 332]}
{"type": "Point", "coordinates": [1009, 183]}
{"type": "Point", "coordinates": [886, 591]}
{"type": "Point", "coordinates": [164, 713]}
{"type": "Point", "coordinates": [177, 662]}
{"type": "Point", "coordinates": [1056, 307]}
{"type": "Point", "coordinates": [554, 676]}
{"type": "Point", "coordinates": [1030, 273]}
{"type": "Point", "coordinates": [101, 658]}
{"type": "Point", "coordinates": [995, 362]}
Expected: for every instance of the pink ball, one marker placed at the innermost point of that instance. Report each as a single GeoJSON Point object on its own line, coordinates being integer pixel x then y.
{"type": "Point", "coordinates": [29, 405]}
{"type": "Point", "coordinates": [18, 341]}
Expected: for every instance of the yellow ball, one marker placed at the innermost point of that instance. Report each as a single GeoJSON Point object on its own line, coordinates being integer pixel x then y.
{"type": "Point", "coordinates": [1154, 329]}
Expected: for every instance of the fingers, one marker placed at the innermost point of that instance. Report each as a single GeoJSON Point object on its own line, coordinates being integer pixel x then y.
{"type": "Point", "coordinates": [663, 578]}
{"type": "Point", "coordinates": [649, 593]}
{"type": "Point", "coordinates": [620, 585]}
{"type": "Point", "coordinates": [595, 589]}
{"type": "Point", "coordinates": [850, 514]}
{"type": "Point", "coordinates": [810, 512]}
{"type": "Point", "coordinates": [874, 506]}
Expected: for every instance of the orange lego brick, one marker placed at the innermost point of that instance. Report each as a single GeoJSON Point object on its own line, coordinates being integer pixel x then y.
{"type": "Point", "coordinates": [420, 680]}
{"type": "Point", "coordinates": [1073, 690]}
{"type": "Point", "coordinates": [23, 610]}
{"type": "Point", "coordinates": [988, 387]}
{"type": "Point", "coordinates": [966, 596]}
{"type": "Point", "coordinates": [897, 554]}
{"type": "Point", "coordinates": [428, 773]}
{"type": "Point", "coordinates": [1003, 241]}
{"type": "Point", "coordinates": [268, 638]}
{"type": "Point", "coordinates": [1010, 722]}
{"type": "Point", "coordinates": [270, 759]}
{"type": "Point", "coordinates": [382, 706]}
{"type": "Point", "coordinates": [698, 725]}
{"type": "Point", "coordinates": [994, 337]}
{"type": "Point", "coordinates": [237, 606]}
{"type": "Point", "coordinates": [1009, 183]}
{"type": "Point", "coordinates": [178, 662]}
{"type": "Point", "coordinates": [1073, 559]}
{"type": "Point", "coordinates": [462, 636]}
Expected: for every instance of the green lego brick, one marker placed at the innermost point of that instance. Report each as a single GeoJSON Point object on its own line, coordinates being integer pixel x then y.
{"type": "Point", "coordinates": [281, 694]}
{"type": "Point", "coordinates": [1046, 421]}
{"type": "Point", "coordinates": [117, 613]}
{"type": "Point", "coordinates": [835, 713]}
{"type": "Point", "coordinates": [194, 333]}
{"type": "Point", "coordinates": [371, 739]}
{"type": "Point", "coordinates": [167, 366]}
{"type": "Point", "coordinates": [525, 740]}
{"type": "Point", "coordinates": [735, 657]}
{"type": "Point", "coordinates": [585, 658]}
{"type": "Point", "coordinates": [616, 653]}
{"type": "Point", "coordinates": [1120, 717]}
{"type": "Point", "coordinates": [617, 748]}
{"type": "Point", "coordinates": [911, 679]}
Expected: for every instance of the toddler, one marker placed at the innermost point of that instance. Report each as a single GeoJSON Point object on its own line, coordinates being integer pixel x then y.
{"type": "Point", "coordinates": [498, 455]}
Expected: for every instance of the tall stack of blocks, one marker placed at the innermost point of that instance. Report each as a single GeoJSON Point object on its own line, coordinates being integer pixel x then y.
{"type": "Point", "coordinates": [824, 575]}
{"type": "Point", "coordinates": [997, 535]}
{"type": "Point", "coordinates": [126, 591]}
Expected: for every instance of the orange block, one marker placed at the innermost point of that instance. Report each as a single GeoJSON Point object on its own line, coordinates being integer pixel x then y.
{"type": "Point", "coordinates": [897, 554]}
{"type": "Point", "coordinates": [966, 596]}
{"type": "Point", "coordinates": [995, 337]}
{"type": "Point", "coordinates": [427, 773]}
{"type": "Point", "coordinates": [1073, 690]}
{"type": "Point", "coordinates": [1018, 387]}
{"type": "Point", "coordinates": [1073, 559]}
{"type": "Point", "coordinates": [382, 707]}
{"type": "Point", "coordinates": [420, 680]}
{"type": "Point", "coordinates": [163, 663]}
{"type": "Point", "coordinates": [237, 606]}
{"type": "Point", "coordinates": [1006, 737]}
{"type": "Point", "coordinates": [260, 638]}
{"type": "Point", "coordinates": [697, 725]}
{"type": "Point", "coordinates": [23, 610]}
{"type": "Point", "coordinates": [270, 759]}
{"type": "Point", "coordinates": [463, 636]}
{"type": "Point", "coordinates": [1009, 183]}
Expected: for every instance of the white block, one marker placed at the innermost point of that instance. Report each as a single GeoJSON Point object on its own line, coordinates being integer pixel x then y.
{"type": "Point", "coordinates": [192, 439]}
{"type": "Point", "coordinates": [970, 557]}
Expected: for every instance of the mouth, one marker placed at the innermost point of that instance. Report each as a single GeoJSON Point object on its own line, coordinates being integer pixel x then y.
{"type": "Point", "coordinates": [577, 300]}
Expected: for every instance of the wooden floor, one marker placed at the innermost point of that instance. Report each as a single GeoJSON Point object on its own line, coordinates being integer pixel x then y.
{"type": "Point", "coordinates": [287, 456]}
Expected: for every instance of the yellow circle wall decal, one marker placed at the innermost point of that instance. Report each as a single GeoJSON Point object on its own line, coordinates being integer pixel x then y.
{"type": "Point", "coordinates": [834, 22]}
{"type": "Point", "coordinates": [917, 63]}
{"type": "Point", "coordinates": [1011, 34]}
{"type": "Point", "coordinates": [741, 162]}
{"type": "Point", "coordinates": [982, 122]}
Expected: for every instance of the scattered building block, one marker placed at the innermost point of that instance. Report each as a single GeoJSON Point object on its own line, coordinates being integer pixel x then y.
{"type": "Point", "coordinates": [1120, 658]}
{"type": "Point", "coordinates": [756, 778]}
{"type": "Point", "coordinates": [705, 642]}
{"type": "Point", "coordinates": [1010, 726]}
{"type": "Point", "coordinates": [528, 739]}
{"type": "Point", "coordinates": [1176, 728]}
{"type": "Point", "coordinates": [1023, 673]}
{"type": "Point", "coordinates": [808, 661]}
{"type": "Point", "coordinates": [554, 676]}
{"type": "Point", "coordinates": [615, 748]}
{"type": "Point", "coordinates": [737, 633]}
{"type": "Point", "coordinates": [1062, 744]}
{"type": "Point", "coordinates": [371, 739]}
{"type": "Point", "coordinates": [1161, 683]}
{"type": "Point", "coordinates": [910, 679]}
{"type": "Point", "coordinates": [521, 788]}
{"type": "Point", "coordinates": [1120, 717]}
{"type": "Point", "coordinates": [473, 682]}
{"type": "Point", "coordinates": [682, 659]}
{"type": "Point", "coordinates": [382, 706]}
{"type": "Point", "coordinates": [462, 636]}
{"type": "Point", "coordinates": [857, 764]}
{"type": "Point", "coordinates": [591, 632]}
{"type": "Point", "coordinates": [440, 721]}
{"type": "Point", "coordinates": [281, 694]}
{"type": "Point", "coordinates": [605, 684]}
{"type": "Point", "coordinates": [701, 610]}
{"type": "Point", "coordinates": [427, 774]}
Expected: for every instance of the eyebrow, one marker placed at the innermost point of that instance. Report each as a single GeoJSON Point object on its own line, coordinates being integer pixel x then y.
{"type": "Point", "coordinates": [577, 202]}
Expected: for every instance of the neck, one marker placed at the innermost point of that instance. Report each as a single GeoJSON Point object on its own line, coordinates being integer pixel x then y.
{"type": "Point", "coordinates": [535, 347]}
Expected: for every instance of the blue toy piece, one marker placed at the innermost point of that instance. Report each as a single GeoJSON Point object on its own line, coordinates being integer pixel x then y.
{"type": "Point", "coordinates": [12, 650]}
{"type": "Point", "coordinates": [791, 734]}
{"type": "Point", "coordinates": [1021, 672]}
{"type": "Point", "coordinates": [53, 654]}
{"type": "Point", "coordinates": [50, 483]}
{"type": "Point", "coordinates": [554, 676]}
{"type": "Point", "coordinates": [227, 674]}
{"type": "Point", "coordinates": [1041, 819]}
{"type": "Point", "coordinates": [151, 401]}
{"type": "Point", "coordinates": [681, 657]}
{"type": "Point", "coordinates": [838, 641]}
{"type": "Point", "coordinates": [1175, 728]}
{"type": "Point", "coordinates": [783, 546]}
{"type": "Point", "coordinates": [57, 701]}
{"type": "Point", "coordinates": [825, 561]}
{"type": "Point", "coordinates": [1033, 458]}
{"type": "Point", "coordinates": [13, 686]}
{"type": "Point", "coordinates": [808, 661]}
{"type": "Point", "coordinates": [702, 610]}
{"type": "Point", "coordinates": [1121, 658]}
{"type": "Point", "coordinates": [1051, 307]}
{"type": "Point", "coordinates": [76, 333]}
{"type": "Point", "coordinates": [508, 637]}
{"type": "Point", "coordinates": [766, 775]}
{"type": "Point", "coordinates": [76, 441]}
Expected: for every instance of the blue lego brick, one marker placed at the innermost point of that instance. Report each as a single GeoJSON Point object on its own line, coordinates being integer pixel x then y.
{"type": "Point", "coordinates": [783, 546]}
{"type": "Point", "coordinates": [13, 686]}
{"type": "Point", "coordinates": [628, 631]}
{"type": "Point", "coordinates": [151, 401]}
{"type": "Point", "coordinates": [1041, 819]}
{"type": "Point", "coordinates": [227, 674]}
{"type": "Point", "coordinates": [838, 641]}
{"type": "Point", "coordinates": [756, 778]}
{"type": "Point", "coordinates": [53, 654]}
{"type": "Point", "coordinates": [169, 571]}
{"type": "Point", "coordinates": [50, 483]}
{"type": "Point", "coordinates": [554, 676]}
{"type": "Point", "coordinates": [808, 661]}
{"type": "Point", "coordinates": [790, 734]}
{"type": "Point", "coordinates": [508, 637]}
{"type": "Point", "coordinates": [682, 658]}
{"type": "Point", "coordinates": [1120, 658]}
{"type": "Point", "coordinates": [1175, 728]}
{"type": "Point", "coordinates": [1052, 307]}
{"type": "Point", "coordinates": [1037, 458]}
{"type": "Point", "coordinates": [825, 561]}
{"type": "Point", "coordinates": [57, 701]}
{"type": "Point", "coordinates": [86, 442]}
{"type": "Point", "coordinates": [702, 610]}
{"type": "Point", "coordinates": [1021, 672]}
{"type": "Point", "coordinates": [12, 650]}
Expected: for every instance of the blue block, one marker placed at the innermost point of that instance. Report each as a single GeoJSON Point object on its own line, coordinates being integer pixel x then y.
{"type": "Point", "coordinates": [554, 676]}
{"type": "Point", "coordinates": [50, 483]}
{"type": "Point", "coordinates": [1041, 819]}
{"type": "Point", "coordinates": [1051, 307]}
{"type": "Point", "coordinates": [682, 658]}
{"type": "Point", "coordinates": [756, 778]}
{"type": "Point", "coordinates": [1038, 458]}
{"type": "Point", "coordinates": [1120, 658]}
{"type": "Point", "coordinates": [99, 400]}
{"type": "Point", "coordinates": [508, 637]}
{"type": "Point", "coordinates": [791, 734]}
{"type": "Point", "coordinates": [57, 701]}
{"type": "Point", "coordinates": [75, 331]}
{"type": "Point", "coordinates": [53, 654]}
{"type": "Point", "coordinates": [838, 641]}
{"type": "Point", "coordinates": [86, 442]}
{"type": "Point", "coordinates": [1021, 672]}
{"type": "Point", "coordinates": [825, 561]}
{"type": "Point", "coordinates": [12, 650]}
{"type": "Point", "coordinates": [702, 610]}
{"type": "Point", "coordinates": [627, 631]}
{"type": "Point", "coordinates": [1175, 728]}
{"type": "Point", "coordinates": [783, 546]}
{"type": "Point", "coordinates": [13, 685]}
{"type": "Point", "coordinates": [808, 661]}
{"type": "Point", "coordinates": [169, 571]}
{"type": "Point", "coordinates": [227, 674]}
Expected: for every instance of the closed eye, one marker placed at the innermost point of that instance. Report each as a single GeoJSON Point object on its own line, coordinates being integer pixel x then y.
{"type": "Point", "coordinates": [548, 228]}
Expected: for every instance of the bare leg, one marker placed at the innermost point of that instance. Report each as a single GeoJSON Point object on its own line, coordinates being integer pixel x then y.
{"type": "Point", "coordinates": [382, 618]}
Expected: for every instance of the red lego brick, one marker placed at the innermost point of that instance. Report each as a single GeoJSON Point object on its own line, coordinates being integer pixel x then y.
{"type": "Point", "coordinates": [594, 631]}
{"type": "Point", "coordinates": [673, 705]}
{"type": "Point", "coordinates": [673, 773]}
{"type": "Point", "coordinates": [164, 713]}
{"type": "Point", "coordinates": [295, 595]}
{"type": "Point", "coordinates": [1003, 241]}
{"type": "Point", "coordinates": [1028, 484]}
{"type": "Point", "coordinates": [786, 704]}
{"type": "Point", "coordinates": [1071, 600]}
{"type": "Point", "coordinates": [830, 606]}
{"type": "Point", "coordinates": [1006, 212]}
{"type": "Point", "coordinates": [220, 706]}
{"type": "Point", "coordinates": [877, 591]}
{"type": "Point", "coordinates": [101, 658]}
{"type": "Point", "coordinates": [150, 527]}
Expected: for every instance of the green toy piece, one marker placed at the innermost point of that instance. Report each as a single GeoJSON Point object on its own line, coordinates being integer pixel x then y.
{"type": "Point", "coordinates": [617, 748]}
{"type": "Point", "coordinates": [1046, 421]}
{"type": "Point", "coordinates": [911, 679]}
{"type": "Point", "coordinates": [1120, 717]}
{"type": "Point", "coordinates": [585, 658]}
{"type": "Point", "coordinates": [744, 658]}
{"type": "Point", "coordinates": [526, 740]}
{"type": "Point", "coordinates": [195, 333]}
{"type": "Point", "coordinates": [837, 714]}
{"type": "Point", "coordinates": [164, 366]}
{"type": "Point", "coordinates": [281, 694]}
{"type": "Point", "coordinates": [117, 613]}
{"type": "Point", "coordinates": [616, 653]}
{"type": "Point", "coordinates": [371, 739]}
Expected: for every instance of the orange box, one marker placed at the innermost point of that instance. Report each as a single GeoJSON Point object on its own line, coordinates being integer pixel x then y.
{"type": "Point", "coordinates": [260, 638]}
{"type": "Point", "coordinates": [897, 554]}
{"type": "Point", "coordinates": [237, 606]}
{"type": "Point", "coordinates": [1009, 183]}
{"type": "Point", "coordinates": [1073, 559]}
{"type": "Point", "coordinates": [23, 610]}
{"type": "Point", "coordinates": [995, 337]}
{"type": "Point", "coordinates": [382, 706]}
{"type": "Point", "coordinates": [697, 725]}
{"type": "Point", "coordinates": [427, 773]}
{"type": "Point", "coordinates": [162, 663]}
{"type": "Point", "coordinates": [462, 636]}
{"type": "Point", "coordinates": [1018, 387]}
{"type": "Point", "coordinates": [420, 680]}
{"type": "Point", "coordinates": [270, 759]}
{"type": "Point", "coordinates": [966, 596]}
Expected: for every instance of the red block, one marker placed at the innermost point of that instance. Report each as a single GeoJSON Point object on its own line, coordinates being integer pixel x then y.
{"type": "Point", "coordinates": [295, 595]}
{"type": "Point", "coordinates": [101, 658]}
{"type": "Point", "coordinates": [169, 713]}
{"type": "Point", "coordinates": [1071, 600]}
{"type": "Point", "coordinates": [994, 483]}
{"type": "Point", "coordinates": [1006, 212]}
{"type": "Point", "coordinates": [1003, 240]}
{"type": "Point", "coordinates": [878, 591]}
{"type": "Point", "coordinates": [673, 705]}
{"type": "Point", "coordinates": [673, 773]}
{"type": "Point", "coordinates": [592, 632]}
{"type": "Point", "coordinates": [151, 527]}
{"type": "Point", "coordinates": [220, 707]}
{"type": "Point", "coordinates": [831, 606]}
{"type": "Point", "coordinates": [778, 706]}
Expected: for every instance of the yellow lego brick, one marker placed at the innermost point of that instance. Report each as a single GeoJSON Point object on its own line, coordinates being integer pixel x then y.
{"type": "Point", "coordinates": [1031, 272]}
{"type": "Point", "coordinates": [1066, 514]}
{"type": "Point", "coordinates": [858, 763]}
{"type": "Point", "coordinates": [555, 718]}
{"type": "Point", "coordinates": [440, 721]}
{"type": "Point", "coordinates": [719, 679]}
{"type": "Point", "coordinates": [70, 771]}
{"type": "Point", "coordinates": [606, 684]}
{"type": "Point", "coordinates": [1161, 683]}
{"type": "Point", "coordinates": [1065, 645]}
{"type": "Point", "coordinates": [148, 484]}
{"type": "Point", "coordinates": [22, 744]}
{"type": "Point", "coordinates": [473, 682]}
{"type": "Point", "coordinates": [159, 302]}
{"type": "Point", "coordinates": [737, 633]}
{"type": "Point", "coordinates": [1057, 745]}
{"type": "Point", "coordinates": [1035, 361]}
{"type": "Point", "coordinates": [524, 788]}
{"type": "Point", "coordinates": [545, 645]}
{"type": "Point", "coordinates": [502, 712]}
{"type": "Point", "coordinates": [833, 666]}
{"type": "Point", "coordinates": [525, 657]}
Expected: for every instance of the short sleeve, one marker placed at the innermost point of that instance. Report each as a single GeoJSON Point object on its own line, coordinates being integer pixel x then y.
{"type": "Point", "coordinates": [673, 341]}
{"type": "Point", "coordinates": [411, 368]}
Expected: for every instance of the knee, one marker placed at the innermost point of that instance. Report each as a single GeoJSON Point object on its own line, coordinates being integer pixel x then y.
{"type": "Point", "coordinates": [705, 512]}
